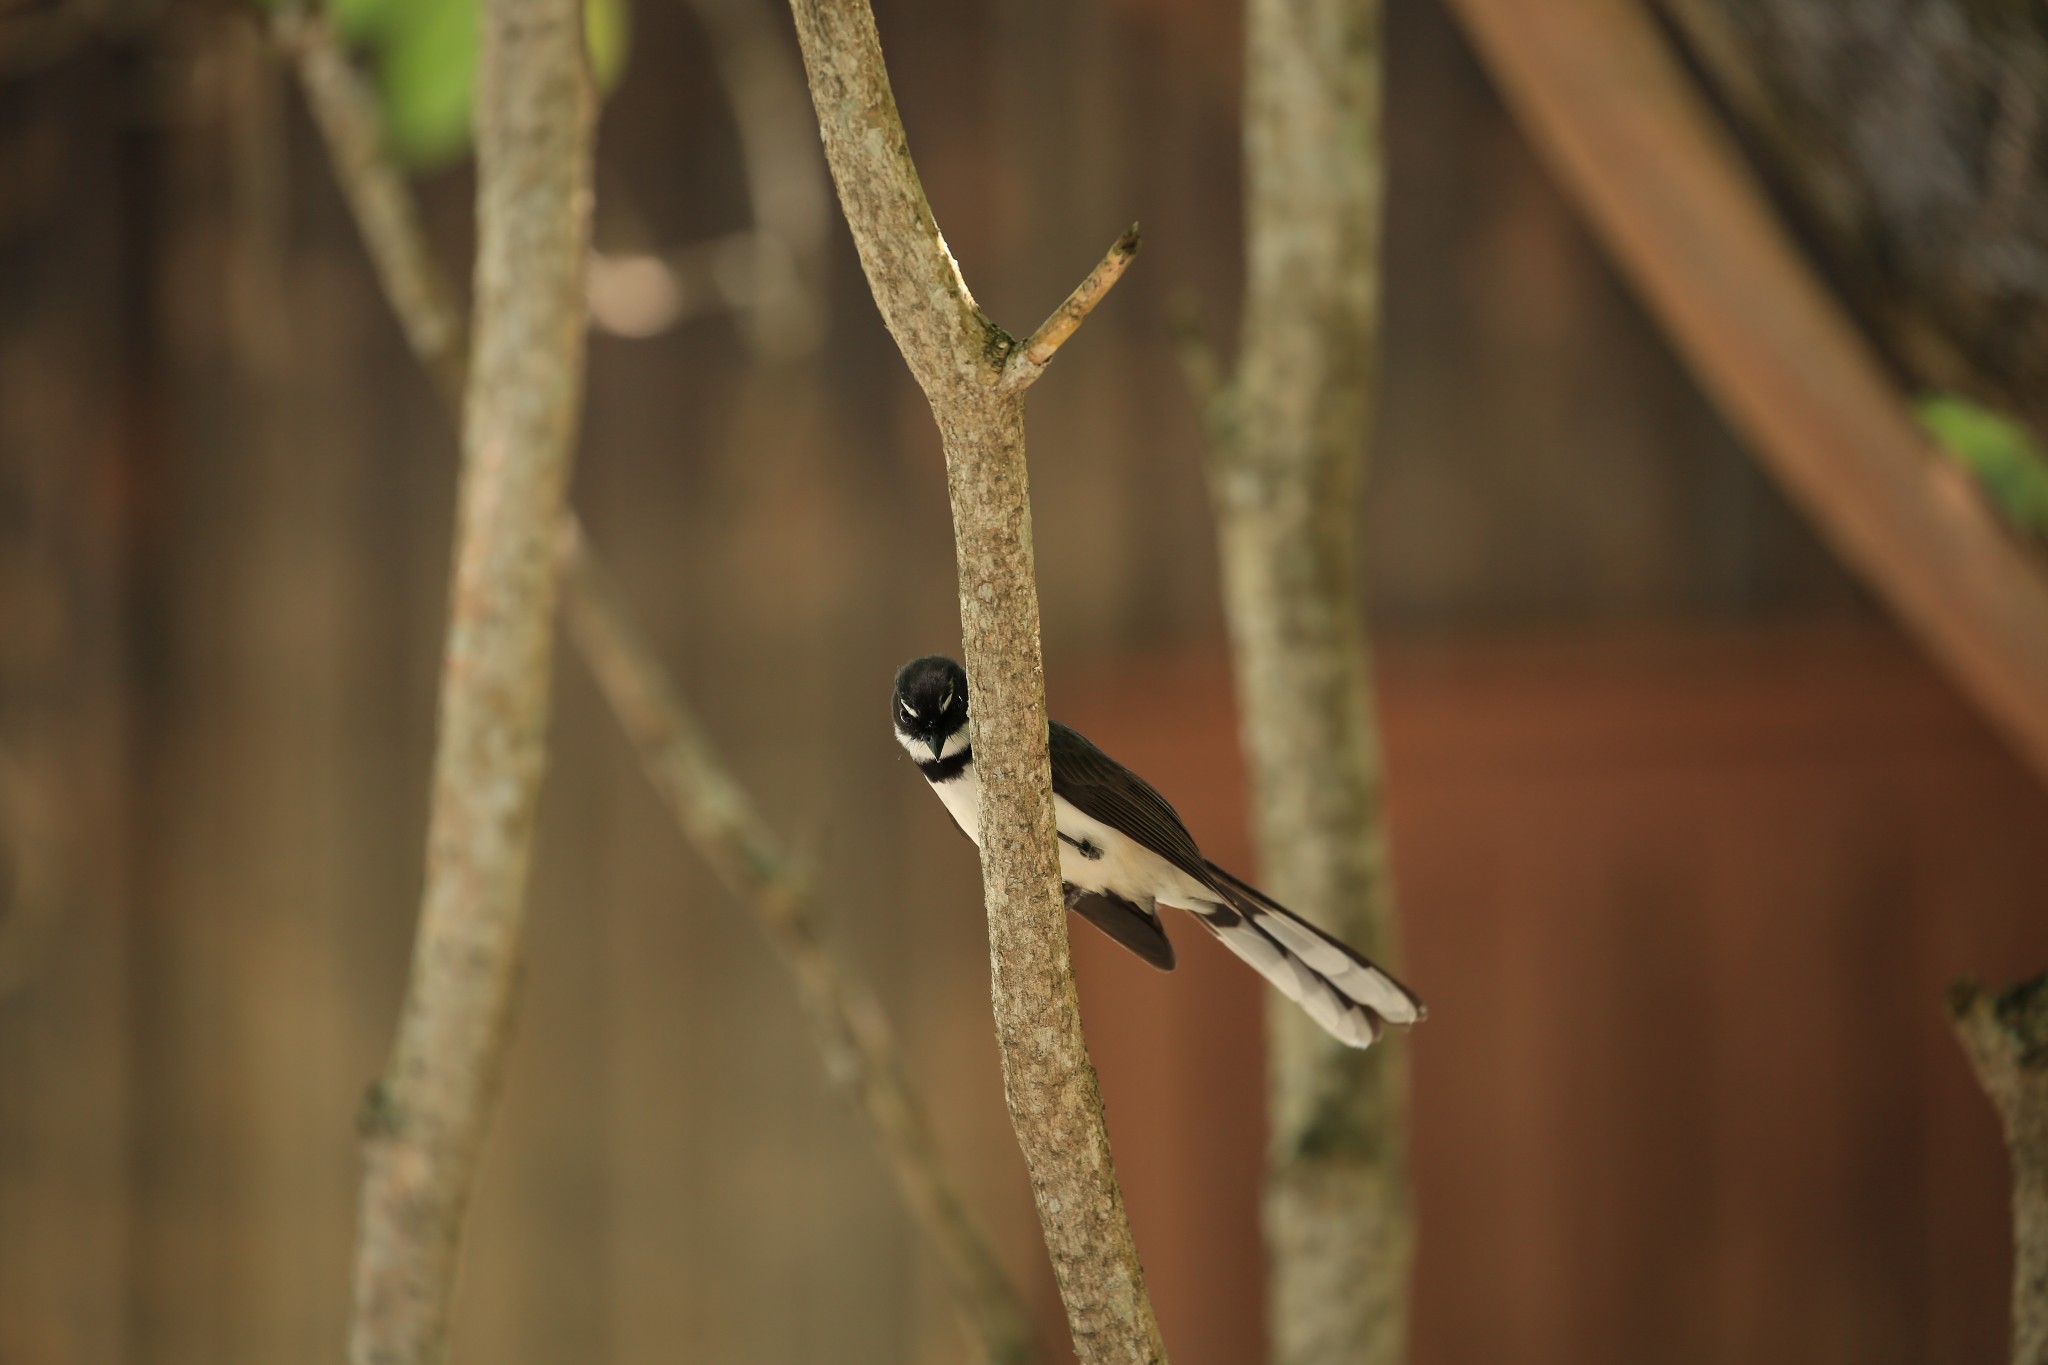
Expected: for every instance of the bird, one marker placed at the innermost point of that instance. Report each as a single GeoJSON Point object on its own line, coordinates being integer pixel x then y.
{"type": "Point", "coordinates": [1124, 852]}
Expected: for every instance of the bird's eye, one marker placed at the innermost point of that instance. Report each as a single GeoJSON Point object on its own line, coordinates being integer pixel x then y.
{"type": "Point", "coordinates": [909, 711]}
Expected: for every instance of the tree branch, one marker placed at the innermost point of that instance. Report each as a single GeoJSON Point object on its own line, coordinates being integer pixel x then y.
{"type": "Point", "coordinates": [1634, 143]}
{"type": "Point", "coordinates": [2006, 1040]}
{"type": "Point", "coordinates": [345, 109]}
{"type": "Point", "coordinates": [958, 357]}
{"type": "Point", "coordinates": [785, 183]}
{"type": "Point", "coordinates": [859, 1053]}
{"type": "Point", "coordinates": [1028, 361]}
{"type": "Point", "coordinates": [425, 1126]}
{"type": "Point", "coordinates": [1287, 450]}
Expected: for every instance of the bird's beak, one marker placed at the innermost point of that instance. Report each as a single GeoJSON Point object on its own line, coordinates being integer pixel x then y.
{"type": "Point", "coordinates": [938, 743]}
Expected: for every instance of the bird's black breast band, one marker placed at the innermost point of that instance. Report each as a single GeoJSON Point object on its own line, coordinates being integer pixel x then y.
{"type": "Point", "coordinates": [945, 769]}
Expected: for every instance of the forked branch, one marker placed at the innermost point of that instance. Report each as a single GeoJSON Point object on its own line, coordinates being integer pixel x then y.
{"type": "Point", "coordinates": [958, 357]}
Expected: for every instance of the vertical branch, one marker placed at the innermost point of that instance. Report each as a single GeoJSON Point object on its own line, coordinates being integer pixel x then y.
{"type": "Point", "coordinates": [2006, 1040]}
{"type": "Point", "coordinates": [1287, 450]}
{"type": "Point", "coordinates": [958, 357]}
{"type": "Point", "coordinates": [425, 1125]}
{"type": "Point", "coordinates": [860, 1055]}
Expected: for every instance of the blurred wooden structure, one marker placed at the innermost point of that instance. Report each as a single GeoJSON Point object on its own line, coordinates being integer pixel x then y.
{"type": "Point", "coordinates": [1683, 908]}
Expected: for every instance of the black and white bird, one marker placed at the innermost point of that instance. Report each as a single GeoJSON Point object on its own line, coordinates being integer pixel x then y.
{"type": "Point", "coordinates": [1124, 852]}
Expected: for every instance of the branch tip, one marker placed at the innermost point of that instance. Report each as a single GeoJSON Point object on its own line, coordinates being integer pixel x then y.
{"type": "Point", "coordinates": [1029, 360]}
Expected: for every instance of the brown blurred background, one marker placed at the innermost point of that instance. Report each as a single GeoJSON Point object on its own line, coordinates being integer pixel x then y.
{"type": "Point", "coordinates": [1689, 841]}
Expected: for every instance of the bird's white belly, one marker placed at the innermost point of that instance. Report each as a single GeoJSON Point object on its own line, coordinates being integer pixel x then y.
{"type": "Point", "coordinates": [1125, 866]}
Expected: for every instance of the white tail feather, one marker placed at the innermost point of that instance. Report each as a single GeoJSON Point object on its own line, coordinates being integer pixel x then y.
{"type": "Point", "coordinates": [1349, 1021]}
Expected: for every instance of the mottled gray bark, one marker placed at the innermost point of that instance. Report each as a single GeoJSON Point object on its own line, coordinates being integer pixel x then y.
{"type": "Point", "coordinates": [1287, 445]}
{"type": "Point", "coordinates": [2006, 1039]}
{"type": "Point", "coordinates": [859, 1053]}
{"type": "Point", "coordinates": [1910, 137]}
{"type": "Point", "coordinates": [962, 361]}
{"type": "Point", "coordinates": [424, 1125]}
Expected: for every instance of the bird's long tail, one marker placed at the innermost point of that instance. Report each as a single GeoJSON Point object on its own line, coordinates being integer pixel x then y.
{"type": "Point", "coordinates": [1346, 993]}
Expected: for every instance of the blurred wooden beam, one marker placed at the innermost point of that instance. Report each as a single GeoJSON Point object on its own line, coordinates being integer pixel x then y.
{"type": "Point", "coordinates": [1634, 143]}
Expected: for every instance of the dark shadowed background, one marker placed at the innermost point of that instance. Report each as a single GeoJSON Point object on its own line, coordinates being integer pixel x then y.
{"type": "Point", "coordinates": [1689, 840]}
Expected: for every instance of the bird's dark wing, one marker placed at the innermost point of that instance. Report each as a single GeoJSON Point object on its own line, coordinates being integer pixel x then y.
{"type": "Point", "coordinates": [1128, 924]}
{"type": "Point", "coordinates": [1103, 789]}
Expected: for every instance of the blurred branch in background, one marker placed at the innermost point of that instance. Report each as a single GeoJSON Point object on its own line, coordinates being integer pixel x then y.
{"type": "Point", "coordinates": [853, 1036]}
{"type": "Point", "coordinates": [958, 357]}
{"type": "Point", "coordinates": [425, 1123]}
{"type": "Point", "coordinates": [2006, 1039]}
{"type": "Point", "coordinates": [769, 275]}
{"type": "Point", "coordinates": [1632, 140]}
{"type": "Point", "coordinates": [860, 1056]}
{"type": "Point", "coordinates": [1286, 458]}
{"type": "Point", "coordinates": [784, 305]}
{"type": "Point", "coordinates": [352, 128]}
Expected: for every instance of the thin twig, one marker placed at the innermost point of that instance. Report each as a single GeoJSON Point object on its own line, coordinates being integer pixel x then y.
{"type": "Point", "coordinates": [957, 356]}
{"type": "Point", "coordinates": [1030, 359]}
{"type": "Point", "coordinates": [853, 1036]}
{"type": "Point", "coordinates": [2006, 1040]}
{"type": "Point", "coordinates": [424, 1130]}
{"type": "Point", "coordinates": [1636, 144]}
{"type": "Point", "coordinates": [860, 1055]}
{"type": "Point", "coordinates": [345, 108]}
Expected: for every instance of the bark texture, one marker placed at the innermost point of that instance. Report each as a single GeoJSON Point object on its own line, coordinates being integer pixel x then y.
{"type": "Point", "coordinates": [425, 1123]}
{"type": "Point", "coordinates": [2006, 1040]}
{"type": "Point", "coordinates": [1634, 143]}
{"type": "Point", "coordinates": [1910, 137]}
{"type": "Point", "coordinates": [959, 358]}
{"type": "Point", "coordinates": [859, 1052]}
{"type": "Point", "coordinates": [1287, 457]}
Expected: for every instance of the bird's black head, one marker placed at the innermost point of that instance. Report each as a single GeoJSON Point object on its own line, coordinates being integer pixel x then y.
{"type": "Point", "coordinates": [931, 702]}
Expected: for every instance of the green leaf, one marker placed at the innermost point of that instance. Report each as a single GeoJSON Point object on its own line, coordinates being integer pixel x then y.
{"type": "Point", "coordinates": [427, 70]}
{"type": "Point", "coordinates": [608, 29]}
{"type": "Point", "coordinates": [426, 54]}
{"type": "Point", "coordinates": [1998, 452]}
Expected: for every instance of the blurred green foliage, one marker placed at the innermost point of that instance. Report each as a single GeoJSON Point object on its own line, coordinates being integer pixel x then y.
{"type": "Point", "coordinates": [425, 53]}
{"type": "Point", "coordinates": [1998, 452]}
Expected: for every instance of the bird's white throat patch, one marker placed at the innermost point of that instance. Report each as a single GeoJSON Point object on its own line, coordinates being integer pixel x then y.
{"type": "Point", "coordinates": [922, 752]}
